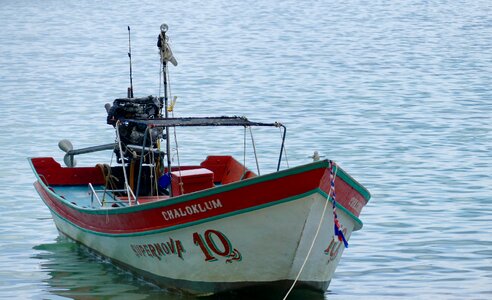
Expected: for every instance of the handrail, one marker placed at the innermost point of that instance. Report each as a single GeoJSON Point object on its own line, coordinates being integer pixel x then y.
{"type": "Point", "coordinates": [133, 195]}
{"type": "Point", "coordinates": [94, 194]}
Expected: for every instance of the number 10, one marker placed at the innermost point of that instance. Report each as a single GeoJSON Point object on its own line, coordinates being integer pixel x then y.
{"type": "Point", "coordinates": [208, 244]}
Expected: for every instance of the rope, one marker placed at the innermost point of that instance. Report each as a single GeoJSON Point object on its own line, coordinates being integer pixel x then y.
{"type": "Point", "coordinates": [169, 85]}
{"type": "Point", "coordinates": [254, 150]}
{"type": "Point", "coordinates": [332, 165]}
{"type": "Point", "coordinates": [244, 154]}
{"type": "Point", "coordinates": [108, 179]}
{"type": "Point", "coordinates": [177, 156]}
{"type": "Point", "coordinates": [181, 184]}
{"type": "Point", "coordinates": [338, 231]}
{"type": "Point", "coordinates": [153, 173]}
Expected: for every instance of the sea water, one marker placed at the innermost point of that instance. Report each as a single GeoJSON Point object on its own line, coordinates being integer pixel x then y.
{"type": "Point", "coordinates": [397, 92]}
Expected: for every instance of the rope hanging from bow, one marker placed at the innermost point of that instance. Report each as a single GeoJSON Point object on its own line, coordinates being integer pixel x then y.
{"type": "Point", "coordinates": [337, 227]}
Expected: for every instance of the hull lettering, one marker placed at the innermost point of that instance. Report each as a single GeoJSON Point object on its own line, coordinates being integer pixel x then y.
{"type": "Point", "coordinates": [189, 210]}
{"type": "Point", "coordinates": [159, 250]}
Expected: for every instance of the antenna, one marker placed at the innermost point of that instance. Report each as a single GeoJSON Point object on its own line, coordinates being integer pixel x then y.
{"type": "Point", "coordinates": [130, 89]}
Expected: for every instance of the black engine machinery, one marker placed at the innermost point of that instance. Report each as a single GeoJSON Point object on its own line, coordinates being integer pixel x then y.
{"type": "Point", "coordinates": [137, 109]}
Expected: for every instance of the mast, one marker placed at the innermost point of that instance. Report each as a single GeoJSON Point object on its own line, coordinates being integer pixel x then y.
{"type": "Point", "coordinates": [130, 90]}
{"type": "Point", "coordinates": [166, 115]}
{"type": "Point", "coordinates": [166, 55]}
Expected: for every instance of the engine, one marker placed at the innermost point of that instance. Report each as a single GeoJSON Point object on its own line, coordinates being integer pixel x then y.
{"type": "Point", "coordinates": [136, 109]}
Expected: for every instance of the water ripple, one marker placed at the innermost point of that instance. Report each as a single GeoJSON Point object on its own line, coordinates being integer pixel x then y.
{"type": "Point", "coordinates": [398, 93]}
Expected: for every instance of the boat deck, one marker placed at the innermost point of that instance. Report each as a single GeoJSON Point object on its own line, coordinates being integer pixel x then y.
{"type": "Point", "coordinates": [85, 186]}
{"type": "Point", "coordinates": [84, 197]}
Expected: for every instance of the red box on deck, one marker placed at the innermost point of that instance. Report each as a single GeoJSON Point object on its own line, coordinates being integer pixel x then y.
{"type": "Point", "coordinates": [192, 180]}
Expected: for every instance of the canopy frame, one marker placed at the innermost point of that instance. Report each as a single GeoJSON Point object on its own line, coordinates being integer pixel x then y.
{"type": "Point", "coordinates": [199, 122]}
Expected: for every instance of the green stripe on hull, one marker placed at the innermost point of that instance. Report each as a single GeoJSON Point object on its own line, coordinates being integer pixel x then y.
{"type": "Point", "coordinates": [358, 222]}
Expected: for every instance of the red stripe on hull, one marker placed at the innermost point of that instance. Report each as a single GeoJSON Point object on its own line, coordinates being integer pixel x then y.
{"type": "Point", "coordinates": [168, 214]}
{"type": "Point", "coordinates": [346, 195]}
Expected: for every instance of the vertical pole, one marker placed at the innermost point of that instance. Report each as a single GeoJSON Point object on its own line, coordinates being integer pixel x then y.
{"type": "Point", "coordinates": [166, 114]}
{"type": "Point", "coordinates": [123, 162]}
{"type": "Point", "coordinates": [282, 146]}
{"type": "Point", "coordinates": [130, 90]}
{"type": "Point", "coordinates": [142, 154]}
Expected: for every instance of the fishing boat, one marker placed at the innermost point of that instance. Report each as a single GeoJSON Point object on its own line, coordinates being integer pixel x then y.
{"type": "Point", "coordinates": [205, 228]}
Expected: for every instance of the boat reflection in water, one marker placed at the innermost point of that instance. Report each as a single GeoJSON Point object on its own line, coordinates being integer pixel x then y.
{"type": "Point", "coordinates": [74, 271]}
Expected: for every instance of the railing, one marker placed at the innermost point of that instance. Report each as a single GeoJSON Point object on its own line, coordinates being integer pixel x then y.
{"type": "Point", "coordinates": [93, 192]}
{"type": "Point", "coordinates": [132, 194]}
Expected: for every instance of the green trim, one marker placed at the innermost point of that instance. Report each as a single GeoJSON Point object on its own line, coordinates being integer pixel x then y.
{"type": "Point", "coordinates": [358, 222]}
{"type": "Point", "coordinates": [353, 183]}
{"type": "Point", "coordinates": [349, 213]}
{"type": "Point", "coordinates": [214, 191]}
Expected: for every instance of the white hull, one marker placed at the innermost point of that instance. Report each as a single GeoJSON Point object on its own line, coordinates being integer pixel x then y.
{"type": "Point", "coordinates": [270, 245]}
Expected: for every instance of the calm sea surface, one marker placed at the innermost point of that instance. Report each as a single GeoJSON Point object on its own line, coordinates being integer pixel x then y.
{"type": "Point", "coordinates": [399, 93]}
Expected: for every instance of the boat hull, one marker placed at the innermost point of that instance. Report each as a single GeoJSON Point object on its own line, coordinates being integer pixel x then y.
{"type": "Point", "coordinates": [263, 247]}
{"type": "Point", "coordinates": [257, 232]}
